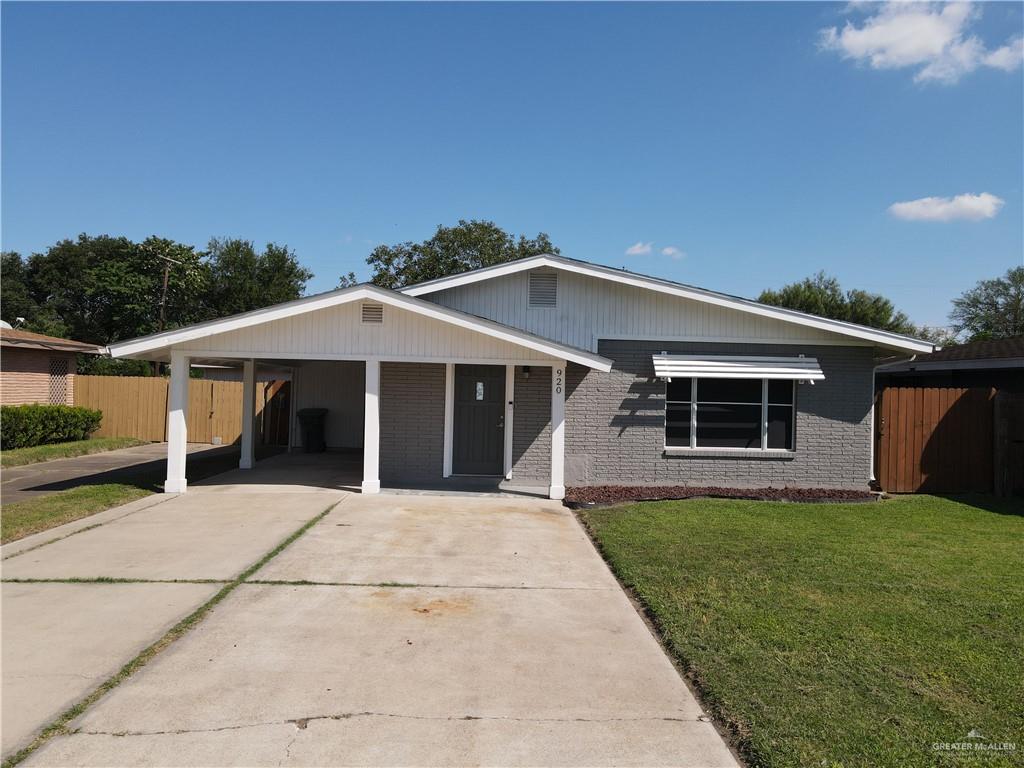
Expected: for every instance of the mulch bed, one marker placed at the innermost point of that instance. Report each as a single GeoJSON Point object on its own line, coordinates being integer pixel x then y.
{"type": "Point", "coordinates": [602, 495]}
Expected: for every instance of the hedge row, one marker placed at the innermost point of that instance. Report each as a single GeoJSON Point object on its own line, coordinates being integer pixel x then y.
{"type": "Point", "coordinates": [23, 426]}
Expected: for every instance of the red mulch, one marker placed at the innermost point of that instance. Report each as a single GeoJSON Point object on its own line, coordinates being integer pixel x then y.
{"type": "Point", "coordinates": [615, 494]}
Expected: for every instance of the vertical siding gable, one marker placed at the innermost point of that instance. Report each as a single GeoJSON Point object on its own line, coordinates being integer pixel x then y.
{"type": "Point", "coordinates": [591, 308]}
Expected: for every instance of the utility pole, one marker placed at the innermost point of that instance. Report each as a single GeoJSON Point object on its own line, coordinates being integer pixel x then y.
{"type": "Point", "coordinates": [163, 296]}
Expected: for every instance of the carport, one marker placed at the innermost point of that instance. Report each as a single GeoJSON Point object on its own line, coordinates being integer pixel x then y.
{"type": "Point", "coordinates": [425, 392]}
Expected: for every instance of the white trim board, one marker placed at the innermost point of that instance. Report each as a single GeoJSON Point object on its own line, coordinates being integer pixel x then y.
{"type": "Point", "coordinates": [160, 344]}
{"type": "Point", "coordinates": [881, 338]}
{"type": "Point", "coordinates": [729, 340]}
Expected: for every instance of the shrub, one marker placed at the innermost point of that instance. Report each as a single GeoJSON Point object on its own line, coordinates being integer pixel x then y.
{"type": "Point", "coordinates": [22, 426]}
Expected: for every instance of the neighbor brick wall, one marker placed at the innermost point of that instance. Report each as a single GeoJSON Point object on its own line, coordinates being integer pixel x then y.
{"type": "Point", "coordinates": [615, 423]}
{"type": "Point", "coordinates": [25, 376]}
{"type": "Point", "coordinates": [531, 425]}
{"type": "Point", "coordinates": [411, 422]}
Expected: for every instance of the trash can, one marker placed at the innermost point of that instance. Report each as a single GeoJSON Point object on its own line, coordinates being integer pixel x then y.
{"type": "Point", "coordinates": [311, 420]}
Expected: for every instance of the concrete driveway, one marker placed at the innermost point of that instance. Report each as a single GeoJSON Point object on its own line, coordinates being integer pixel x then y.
{"type": "Point", "coordinates": [398, 630]}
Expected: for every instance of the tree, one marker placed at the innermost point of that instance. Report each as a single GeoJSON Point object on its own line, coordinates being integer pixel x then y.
{"type": "Point", "coordinates": [993, 309]}
{"type": "Point", "coordinates": [16, 299]}
{"type": "Point", "coordinates": [468, 245]}
{"type": "Point", "coordinates": [240, 279]}
{"type": "Point", "coordinates": [347, 281]}
{"type": "Point", "coordinates": [822, 295]}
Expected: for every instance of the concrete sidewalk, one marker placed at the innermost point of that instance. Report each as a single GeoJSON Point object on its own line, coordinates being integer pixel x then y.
{"type": "Point", "coordinates": [143, 464]}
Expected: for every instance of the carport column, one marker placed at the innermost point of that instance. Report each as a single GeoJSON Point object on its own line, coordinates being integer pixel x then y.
{"type": "Point", "coordinates": [371, 429]}
{"type": "Point", "coordinates": [177, 424]}
{"type": "Point", "coordinates": [557, 490]}
{"type": "Point", "coordinates": [248, 457]}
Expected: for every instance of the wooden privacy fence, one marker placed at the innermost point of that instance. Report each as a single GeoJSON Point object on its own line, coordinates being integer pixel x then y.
{"type": "Point", "coordinates": [136, 406]}
{"type": "Point", "coordinates": [935, 439]}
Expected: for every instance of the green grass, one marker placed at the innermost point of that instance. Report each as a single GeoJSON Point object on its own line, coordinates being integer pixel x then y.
{"type": "Point", "coordinates": [18, 457]}
{"type": "Point", "coordinates": [838, 634]}
{"type": "Point", "coordinates": [23, 518]}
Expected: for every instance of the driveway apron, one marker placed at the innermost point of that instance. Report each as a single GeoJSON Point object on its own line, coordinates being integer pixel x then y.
{"type": "Point", "coordinates": [409, 630]}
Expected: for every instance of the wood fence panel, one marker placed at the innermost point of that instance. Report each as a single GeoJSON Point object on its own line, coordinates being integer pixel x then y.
{"type": "Point", "coordinates": [136, 406]}
{"type": "Point", "coordinates": [935, 439]}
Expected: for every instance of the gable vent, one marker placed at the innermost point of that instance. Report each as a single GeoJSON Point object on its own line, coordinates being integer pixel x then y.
{"type": "Point", "coordinates": [543, 289]}
{"type": "Point", "coordinates": [373, 313]}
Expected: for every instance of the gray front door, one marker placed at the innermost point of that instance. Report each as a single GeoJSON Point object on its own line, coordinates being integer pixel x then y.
{"type": "Point", "coordinates": [478, 438]}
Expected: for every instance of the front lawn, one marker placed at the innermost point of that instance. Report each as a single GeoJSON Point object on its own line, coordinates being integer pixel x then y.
{"type": "Point", "coordinates": [18, 457]}
{"type": "Point", "coordinates": [838, 634]}
{"type": "Point", "coordinates": [23, 518]}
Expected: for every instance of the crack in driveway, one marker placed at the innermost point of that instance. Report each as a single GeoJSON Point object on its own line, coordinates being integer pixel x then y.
{"type": "Point", "coordinates": [301, 723]}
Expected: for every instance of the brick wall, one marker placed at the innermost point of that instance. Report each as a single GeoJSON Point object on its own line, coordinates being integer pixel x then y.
{"type": "Point", "coordinates": [531, 425]}
{"type": "Point", "coordinates": [25, 376]}
{"type": "Point", "coordinates": [411, 422]}
{"type": "Point", "coordinates": [615, 425]}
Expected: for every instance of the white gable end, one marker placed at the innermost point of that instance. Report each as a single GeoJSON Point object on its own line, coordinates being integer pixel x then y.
{"type": "Point", "coordinates": [590, 308]}
{"type": "Point", "coordinates": [348, 331]}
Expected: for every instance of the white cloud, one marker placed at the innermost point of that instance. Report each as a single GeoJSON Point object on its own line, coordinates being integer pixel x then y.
{"type": "Point", "coordinates": [672, 252]}
{"type": "Point", "coordinates": [639, 248]}
{"type": "Point", "coordinates": [931, 37]}
{"type": "Point", "coordinates": [967, 207]}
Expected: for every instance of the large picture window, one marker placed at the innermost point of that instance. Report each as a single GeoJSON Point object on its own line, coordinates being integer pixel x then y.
{"type": "Point", "coordinates": [750, 414]}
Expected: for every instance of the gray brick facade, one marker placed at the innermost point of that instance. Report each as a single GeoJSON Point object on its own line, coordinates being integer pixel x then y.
{"type": "Point", "coordinates": [531, 425]}
{"type": "Point", "coordinates": [411, 422]}
{"type": "Point", "coordinates": [615, 425]}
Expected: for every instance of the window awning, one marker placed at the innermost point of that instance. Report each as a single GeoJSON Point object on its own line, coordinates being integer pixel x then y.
{"type": "Point", "coordinates": [731, 367]}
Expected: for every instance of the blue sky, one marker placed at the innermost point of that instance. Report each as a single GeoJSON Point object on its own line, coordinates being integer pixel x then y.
{"type": "Point", "coordinates": [744, 136]}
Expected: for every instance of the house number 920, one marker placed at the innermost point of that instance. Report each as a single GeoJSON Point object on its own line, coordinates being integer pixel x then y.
{"type": "Point", "coordinates": [558, 381]}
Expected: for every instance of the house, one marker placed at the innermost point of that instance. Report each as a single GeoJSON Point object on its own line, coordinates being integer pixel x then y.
{"type": "Point", "coordinates": [35, 368]}
{"type": "Point", "coordinates": [997, 363]}
{"type": "Point", "coordinates": [556, 371]}
{"type": "Point", "coordinates": [952, 421]}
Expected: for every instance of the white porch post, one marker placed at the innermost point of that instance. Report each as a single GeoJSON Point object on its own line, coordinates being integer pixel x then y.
{"type": "Point", "coordinates": [510, 398]}
{"type": "Point", "coordinates": [557, 490]}
{"type": "Point", "coordinates": [248, 457]}
{"type": "Point", "coordinates": [449, 417]}
{"type": "Point", "coordinates": [371, 429]}
{"type": "Point", "coordinates": [177, 424]}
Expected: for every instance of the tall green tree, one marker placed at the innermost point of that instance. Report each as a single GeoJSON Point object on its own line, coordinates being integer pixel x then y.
{"type": "Point", "coordinates": [468, 245]}
{"type": "Point", "coordinates": [105, 289]}
{"type": "Point", "coordinates": [242, 279]}
{"type": "Point", "coordinates": [993, 309]}
{"type": "Point", "coordinates": [822, 295]}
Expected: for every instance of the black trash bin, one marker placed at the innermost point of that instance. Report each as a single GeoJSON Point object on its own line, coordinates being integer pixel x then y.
{"type": "Point", "coordinates": [311, 420]}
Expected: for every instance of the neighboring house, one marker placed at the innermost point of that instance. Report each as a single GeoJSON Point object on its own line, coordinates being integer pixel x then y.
{"type": "Point", "coordinates": [38, 369]}
{"type": "Point", "coordinates": [998, 364]}
{"type": "Point", "coordinates": [953, 421]}
{"type": "Point", "coordinates": [557, 371]}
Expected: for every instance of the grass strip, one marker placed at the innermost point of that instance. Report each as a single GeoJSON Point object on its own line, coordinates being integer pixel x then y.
{"type": "Point", "coordinates": [19, 457]}
{"type": "Point", "coordinates": [23, 518]}
{"type": "Point", "coordinates": [112, 580]}
{"type": "Point", "coordinates": [60, 725]}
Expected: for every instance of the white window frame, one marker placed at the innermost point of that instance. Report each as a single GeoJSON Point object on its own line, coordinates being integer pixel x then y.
{"type": "Point", "coordinates": [763, 448]}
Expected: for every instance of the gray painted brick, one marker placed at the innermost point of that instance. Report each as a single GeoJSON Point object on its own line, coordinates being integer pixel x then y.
{"type": "Point", "coordinates": [531, 425]}
{"type": "Point", "coordinates": [615, 423]}
{"type": "Point", "coordinates": [411, 422]}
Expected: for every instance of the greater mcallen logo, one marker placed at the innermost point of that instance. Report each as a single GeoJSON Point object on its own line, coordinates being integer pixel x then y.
{"type": "Point", "coordinates": [974, 741]}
